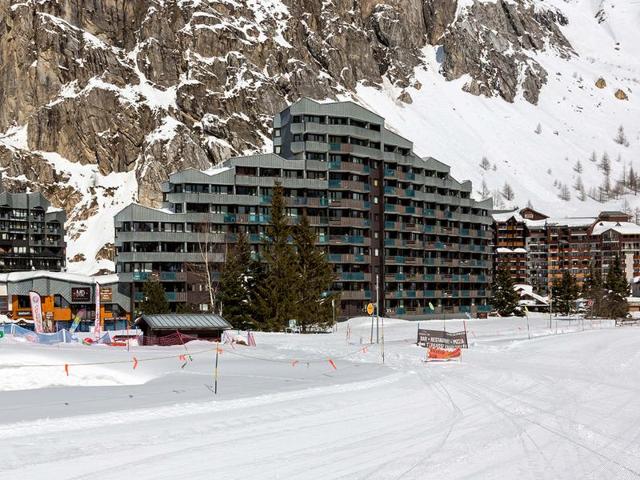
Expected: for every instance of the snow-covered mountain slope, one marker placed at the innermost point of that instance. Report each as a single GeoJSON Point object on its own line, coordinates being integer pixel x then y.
{"type": "Point", "coordinates": [98, 104]}
{"type": "Point", "coordinates": [576, 117]}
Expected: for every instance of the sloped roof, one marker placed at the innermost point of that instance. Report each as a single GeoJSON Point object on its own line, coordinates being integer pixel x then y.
{"type": "Point", "coordinates": [624, 228]}
{"type": "Point", "coordinates": [177, 321]}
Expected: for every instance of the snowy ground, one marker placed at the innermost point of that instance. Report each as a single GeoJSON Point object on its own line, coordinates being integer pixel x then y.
{"type": "Point", "coordinates": [556, 406]}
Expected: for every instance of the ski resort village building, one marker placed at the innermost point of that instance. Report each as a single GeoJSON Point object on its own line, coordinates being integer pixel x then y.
{"type": "Point", "coordinates": [65, 296]}
{"type": "Point", "coordinates": [537, 249]}
{"type": "Point", "coordinates": [378, 209]}
{"type": "Point", "coordinates": [31, 233]}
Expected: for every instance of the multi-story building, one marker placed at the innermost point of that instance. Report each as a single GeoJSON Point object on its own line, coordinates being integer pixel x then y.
{"type": "Point", "coordinates": [555, 245]}
{"type": "Point", "coordinates": [378, 209]}
{"type": "Point", "coordinates": [64, 296]}
{"type": "Point", "coordinates": [31, 233]}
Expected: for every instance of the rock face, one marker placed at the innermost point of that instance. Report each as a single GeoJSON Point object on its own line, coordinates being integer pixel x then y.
{"type": "Point", "coordinates": [152, 86]}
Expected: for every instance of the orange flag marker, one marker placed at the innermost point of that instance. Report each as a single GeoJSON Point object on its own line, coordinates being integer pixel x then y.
{"type": "Point", "coordinates": [66, 369]}
{"type": "Point", "coordinates": [332, 364]}
{"type": "Point", "coordinates": [135, 363]}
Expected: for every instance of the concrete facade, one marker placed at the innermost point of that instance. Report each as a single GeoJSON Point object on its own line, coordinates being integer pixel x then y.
{"type": "Point", "coordinates": [31, 233]}
{"type": "Point", "coordinates": [378, 209]}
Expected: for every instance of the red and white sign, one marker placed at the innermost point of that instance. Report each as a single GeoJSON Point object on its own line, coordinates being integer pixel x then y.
{"type": "Point", "coordinates": [36, 311]}
{"type": "Point", "coordinates": [97, 328]}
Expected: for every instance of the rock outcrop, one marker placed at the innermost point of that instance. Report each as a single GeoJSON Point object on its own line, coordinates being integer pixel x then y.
{"type": "Point", "coordinates": [152, 86]}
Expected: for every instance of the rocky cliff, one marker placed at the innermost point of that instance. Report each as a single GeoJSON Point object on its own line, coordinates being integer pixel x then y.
{"type": "Point", "coordinates": [92, 88]}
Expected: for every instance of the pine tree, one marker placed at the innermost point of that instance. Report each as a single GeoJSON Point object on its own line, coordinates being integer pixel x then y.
{"type": "Point", "coordinates": [155, 300]}
{"type": "Point", "coordinates": [507, 192]}
{"type": "Point", "coordinates": [605, 164]}
{"type": "Point", "coordinates": [484, 191]}
{"type": "Point", "coordinates": [485, 164]}
{"type": "Point", "coordinates": [234, 292]}
{"type": "Point", "coordinates": [505, 298]}
{"type": "Point", "coordinates": [593, 157]}
{"type": "Point", "coordinates": [632, 180]}
{"type": "Point", "coordinates": [275, 297]}
{"type": "Point", "coordinates": [578, 167]}
{"type": "Point", "coordinates": [315, 276]}
{"type": "Point", "coordinates": [593, 289]}
{"type": "Point", "coordinates": [565, 294]}
{"type": "Point", "coordinates": [564, 194]}
{"type": "Point", "coordinates": [621, 138]}
{"type": "Point", "coordinates": [617, 290]}
{"type": "Point", "coordinates": [538, 129]}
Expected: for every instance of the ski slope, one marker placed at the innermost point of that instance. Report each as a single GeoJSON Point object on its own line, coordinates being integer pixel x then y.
{"type": "Point", "coordinates": [556, 406]}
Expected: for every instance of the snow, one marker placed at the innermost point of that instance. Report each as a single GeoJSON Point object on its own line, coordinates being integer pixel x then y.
{"type": "Point", "coordinates": [165, 132]}
{"type": "Point", "coordinates": [624, 228]}
{"type": "Point", "coordinates": [556, 406]}
{"type": "Point", "coordinates": [103, 194]}
{"type": "Point", "coordinates": [459, 129]}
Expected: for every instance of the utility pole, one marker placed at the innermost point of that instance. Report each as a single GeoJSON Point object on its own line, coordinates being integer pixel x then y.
{"type": "Point", "coordinates": [378, 311]}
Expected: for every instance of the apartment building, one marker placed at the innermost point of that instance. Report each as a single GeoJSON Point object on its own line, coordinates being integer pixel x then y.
{"type": "Point", "coordinates": [379, 210]}
{"type": "Point", "coordinates": [550, 246]}
{"type": "Point", "coordinates": [31, 233]}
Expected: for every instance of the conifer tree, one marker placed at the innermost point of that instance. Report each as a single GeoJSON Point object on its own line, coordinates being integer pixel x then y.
{"type": "Point", "coordinates": [578, 167]}
{"type": "Point", "coordinates": [565, 294]}
{"type": "Point", "coordinates": [593, 289]}
{"type": "Point", "coordinates": [605, 164]}
{"type": "Point", "coordinates": [275, 297]}
{"type": "Point", "coordinates": [234, 292]}
{"type": "Point", "coordinates": [617, 290]}
{"type": "Point", "coordinates": [485, 164]}
{"type": "Point", "coordinates": [507, 192]}
{"type": "Point", "coordinates": [155, 300]}
{"type": "Point", "coordinates": [315, 277]}
{"type": "Point", "coordinates": [505, 298]}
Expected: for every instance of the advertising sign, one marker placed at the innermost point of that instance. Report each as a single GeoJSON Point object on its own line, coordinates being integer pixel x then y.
{"type": "Point", "coordinates": [106, 294]}
{"type": "Point", "coordinates": [36, 311]}
{"type": "Point", "coordinates": [441, 339]}
{"type": "Point", "coordinates": [77, 319]}
{"type": "Point", "coordinates": [80, 294]}
{"type": "Point", "coordinates": [97, 329]}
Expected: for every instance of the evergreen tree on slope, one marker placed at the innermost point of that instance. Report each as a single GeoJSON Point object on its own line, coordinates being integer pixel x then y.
{"type": "Point", "coordinates": [275, 293]}
{"type": "Point", "coordinates": [505, 298]}
{"type": "Point", "coordinates": [617, 290]}
{"type": "Point", "coordinates": [234, 293]}
{"type": "Point", "coordinates": [155, 301]}
{"type": "Point", "coordinates": [315, 276]}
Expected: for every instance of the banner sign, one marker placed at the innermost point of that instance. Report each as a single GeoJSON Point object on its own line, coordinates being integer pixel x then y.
{"type": "Point", "coordinates": [77, 319]}
{"type": "Point", "coordinates": [97, 328]}
{"type": "Point", "coordinates": [36, 311]}
{"type": "Point", "coordinates": [106, 294]}
{"type": "Point", "coordinates": [438, 338]}
{"type": "Point", "coordinates": [80, 294]}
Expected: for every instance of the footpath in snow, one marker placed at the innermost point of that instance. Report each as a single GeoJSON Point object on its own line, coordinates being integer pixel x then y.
{"type": "Point", "coordinates": [561, 405]}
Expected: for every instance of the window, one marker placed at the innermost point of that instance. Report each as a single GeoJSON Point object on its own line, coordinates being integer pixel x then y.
{"type": "Point", "coordinates": [276, 132]}
{"type": "Point", "coordinates": [277, 149]}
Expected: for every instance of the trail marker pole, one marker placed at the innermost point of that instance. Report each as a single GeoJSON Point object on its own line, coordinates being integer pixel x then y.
{"type": "Point", "coordinates": [215, 381]}
{"type": "Point", "coordinates": [377, 311]}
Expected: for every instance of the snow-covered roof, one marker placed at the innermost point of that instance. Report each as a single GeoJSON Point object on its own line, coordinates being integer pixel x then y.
{"type": "Point", "coordinates": [504, 216]}
{"type": "Point", "coordinates": [64, 276]}
{"type": "Point", "coordinates": [624, 228]}
{"type": "Point", "coordinates": [567, 222]}
{"type": "Point", "coordinates": [527, 290]}
{"type": "Point", "coordinates": [511, 250]}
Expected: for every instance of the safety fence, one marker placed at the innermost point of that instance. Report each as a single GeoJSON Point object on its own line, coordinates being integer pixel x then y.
{"type": "Point", "coordinates": [176, 338]}
{"type": "Point", "coordinates": [62, 336]}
